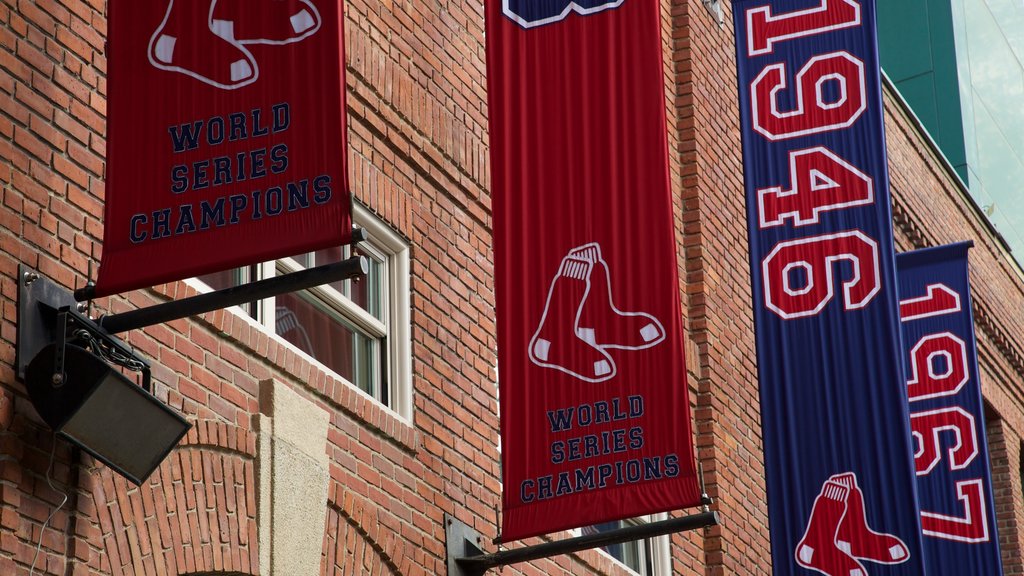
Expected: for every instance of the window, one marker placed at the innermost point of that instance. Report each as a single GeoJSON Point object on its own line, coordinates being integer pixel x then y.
{"type": "Point", "coordinates": [646, 557]}
{"type": "Point", "coordinates": [359, 329]}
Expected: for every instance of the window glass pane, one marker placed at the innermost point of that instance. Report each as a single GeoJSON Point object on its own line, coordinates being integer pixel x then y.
{"type": "Point", "coordinates": [231, 278]}
{"type": "Point", "coordinates": [222, 280]}
{"type": "Point", "coordinates": [366, 292]}
{"type": "Point", "coordinates": [632, 554]}
{"type": "Point", "coordinates": [321, 333]}
{"type": "Point", "coordinates": [328, 255]}
{"type": "Point", "coordinates": [304, 260]}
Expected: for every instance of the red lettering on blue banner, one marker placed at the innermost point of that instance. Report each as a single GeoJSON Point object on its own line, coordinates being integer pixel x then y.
{"type": "Point", "coordinates": [938, 366]}
{"type": "Point", "coordinates": [815, 260]}
{"type": "Point", "coordinates": [947, 419]}
{"type": "Point", "coordinates": [829, 96]}
{"type": "Point", "coordinates": [841, 492]}
{"type": "Point", "coordinates": [765, 28]}
{"type": "Point", "coordinates": [939, 300]}
{"type": "Point", "coordinates": [821, 181]}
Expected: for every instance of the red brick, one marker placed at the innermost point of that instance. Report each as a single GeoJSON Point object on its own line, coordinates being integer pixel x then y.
{"type": "Point", "coordinates": [418, 139]}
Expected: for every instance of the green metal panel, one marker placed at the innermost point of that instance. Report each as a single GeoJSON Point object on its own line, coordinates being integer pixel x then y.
{"type": "Point", "coordinates": [918, 52]}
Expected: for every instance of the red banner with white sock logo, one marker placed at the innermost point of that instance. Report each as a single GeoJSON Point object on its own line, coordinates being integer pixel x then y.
{"type": "Point", "coordinates": [226, 138]}
{"type": "Point", "coordinates": [595, 421]}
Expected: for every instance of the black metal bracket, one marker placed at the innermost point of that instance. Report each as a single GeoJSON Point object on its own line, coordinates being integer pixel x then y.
{"type": "Point", "coordinates": [39, 299]}
{"type": "Point", "coordinates": [87, 293]}
{"type": "Point", "coordinates": [48, 313]}
{"type": "Point", "coordinates": [466, 558]}
{"type": "Point", "coordinates": [160, 313]}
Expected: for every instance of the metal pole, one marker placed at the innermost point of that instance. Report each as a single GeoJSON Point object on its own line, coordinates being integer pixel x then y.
{"type": "Point", "coordinates": [479, 564]}
{"type": "Point", "coordinates": [89, 291]}
{"type": "Point", "coordinates": [346, 269]}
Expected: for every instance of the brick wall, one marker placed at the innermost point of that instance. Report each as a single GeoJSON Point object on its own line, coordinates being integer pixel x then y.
{"type": "Point", "coordinates": [418, 158]}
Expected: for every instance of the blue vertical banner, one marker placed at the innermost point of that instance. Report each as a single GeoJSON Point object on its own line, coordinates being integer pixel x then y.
{"type": "Point", "coordinates": [947, 417]}
{"type": "Point", "coordinates": [842, 497]}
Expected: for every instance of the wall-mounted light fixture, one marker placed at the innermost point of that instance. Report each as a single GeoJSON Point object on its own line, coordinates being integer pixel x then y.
{"type": "Point", "coordinates": [72, 365]}
{"type": "Point", "coordinates": [72, 370]}
{"type": "Point", "coordinates": [95, 407]}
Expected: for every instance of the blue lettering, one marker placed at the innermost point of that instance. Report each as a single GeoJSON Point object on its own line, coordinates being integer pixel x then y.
{"type": "Point", "coordinates": [652, 468]}
{"type": "Point", "coordinates": [636, 406]}
{"type": "Point", "coordinates": [185, 136]}
{"type": "Point", "coordinates": [585, 415]}
{"type": "Point", "coordinates": [557, 452]}
{"type": "Point", "coordinates": [561, 419]}
{"type": "Point", "coordinates": [282, 117]}
{"type": "Point", "coordinates": [259, 159]}
{"type": "Point", "coordinates": [321, 189]}
{"type": "Point", "coordinates": [222, 171]}
{"type": "Point", "coordinates": [619, 440]}
{"type": "Point", "coordinates": [186, 223]}
{"type": "Point", "coordinates": [636, 438]}
{"type": "Point", "coordinates": [256, 214]}
{"type": "Point", "coordinates": [179, 179]}
{"type": "Point", "coordinates": [585, 478]}
{"type": "Point", "coordinates": [564, 486]}
{"type": "Point", "coordinates": [618, 414]}
{"type": "Point", "coordinates": [279, 158]}
{"type": "Point", "coordinates": [240, 163]}
{"type": "Point", "coordinates": [208, 214]}
{"type": "Point", "coordinates": [544, 488]}
{"type": "Point", "coordinates": [162, 223]}
{"type": "Point", "coordinates": [524, 491]}
{"type": "Point", "coordinates": [215, 130]}
{"type": "Point", "coordinates": [574, 449]}
{"type": "Point", "coordinates": [237, 121]}
{"type": "Point", "coordinates": [238, 202]}
{"type": "Point", "coordinates": [275, 203]}
{"type": "Point", "coordinates": [298, 196]}
{"type": "Point", "coordinates": [200, 179]}
{"type": "Point", "coordinates": [671, 466]}
{"type": "Point", "coordinates": [633, 471]}
{"type": "Point", "coordinates": [134, 234]}
{"type": "Point", "coordinates": [604, 472]}
{"type": "Point", "coordinates": [257, 129]}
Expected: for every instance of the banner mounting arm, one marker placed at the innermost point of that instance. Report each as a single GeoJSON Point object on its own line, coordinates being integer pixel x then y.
{"type": "Point", "coordinates": [235, 295]}
{"type": "Point", "coordinates": [160, 313]}
{"type": "Point", "coordinates": [465, 558]}
{"type": "Point", "coordinates": [88, 292]}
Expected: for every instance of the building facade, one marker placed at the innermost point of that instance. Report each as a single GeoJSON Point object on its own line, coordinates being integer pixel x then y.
{"type": "Point", "coordinates": [334, 428]}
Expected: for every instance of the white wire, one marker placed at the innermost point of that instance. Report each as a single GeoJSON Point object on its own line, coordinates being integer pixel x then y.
{"type": "Point", "coordinates": [49, 470]}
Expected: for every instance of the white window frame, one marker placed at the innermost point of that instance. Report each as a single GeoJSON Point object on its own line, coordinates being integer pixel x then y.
{"type": "Point", "coordinates": [393, 329]}
{"type": "Point", "coordinates": [659, 548]}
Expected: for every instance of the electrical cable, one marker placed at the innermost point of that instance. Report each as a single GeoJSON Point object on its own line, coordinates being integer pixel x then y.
{"type": "Point", "coordinates": [49, 481]}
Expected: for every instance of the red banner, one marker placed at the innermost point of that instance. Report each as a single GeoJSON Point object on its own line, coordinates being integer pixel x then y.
{"type": "Point", "coordinates": [595, 421]}
{"type": "Point", "coordinates": [226, 136]}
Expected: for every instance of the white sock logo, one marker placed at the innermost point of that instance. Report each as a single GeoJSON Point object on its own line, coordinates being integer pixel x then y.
{"type": "Point", "coordinates": [206, 39]}
{"type": "Point", "coordinates": [581, 322]}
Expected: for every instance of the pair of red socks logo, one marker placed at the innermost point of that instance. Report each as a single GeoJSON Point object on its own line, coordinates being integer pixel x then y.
{"type": "Point", "coordinates": [207, 39]}
{"type": "Point", "coordinates": [581, 323]}
{"type": "Point", "coordinates": [838, 537]}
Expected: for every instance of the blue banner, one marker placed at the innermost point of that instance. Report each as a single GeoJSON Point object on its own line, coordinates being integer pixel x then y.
{"type": "Point", "coordinates": [947, 417]}
{"type": "Point", "coordinates": [842, 497]}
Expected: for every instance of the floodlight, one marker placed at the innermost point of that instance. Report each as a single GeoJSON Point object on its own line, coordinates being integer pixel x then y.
{"type": "Point", "coordinates": [94, 406]}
